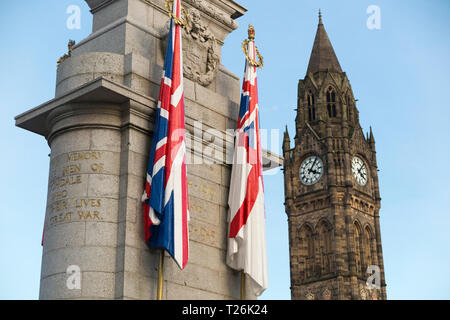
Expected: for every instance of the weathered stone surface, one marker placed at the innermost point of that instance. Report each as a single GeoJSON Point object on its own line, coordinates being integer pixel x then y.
{"type": "Point", "coordinates": [55, 287]}
{"type": "Point", "coordinates": [98, 285]}
{"type": "Point", "coordinates": [63, 236]}
{"type": "Point", "coordinates": [80, 69]}
{"type": "Point", "coordinates": [88, 258]}
{"type": "Point", "coordinates": [100, 141]}
{"type": "Point", "coordinates": [334, 223]}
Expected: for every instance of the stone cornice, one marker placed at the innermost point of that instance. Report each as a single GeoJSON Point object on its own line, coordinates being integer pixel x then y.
{"type": "Point", "coordinates": [98, 90]}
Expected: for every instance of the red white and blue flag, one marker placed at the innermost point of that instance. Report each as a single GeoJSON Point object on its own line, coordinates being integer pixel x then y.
{"type": "Point", "coordinates": [165, 199]}
{"type": "Point", "coordinates": [247, 227]}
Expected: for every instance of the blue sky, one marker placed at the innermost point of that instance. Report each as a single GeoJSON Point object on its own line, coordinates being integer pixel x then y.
{"type": "Point", "coordinates": [400, 74]}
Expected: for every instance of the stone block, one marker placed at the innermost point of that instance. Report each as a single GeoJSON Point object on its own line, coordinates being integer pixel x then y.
{"type": "Point", "coordinates": [55, 287]}
{"type": "Point", "coordinates": [135, 187]}
{"type": "Point", "coordinates": [206, 233]}
{"type": "Point", "coordinates": [214, 101]}
{"type": "Point", "coordinates": [103, 185]}
{"type": "Point", "coordinates": [140, 12]}
{"type": "Point", "coordinates": [228, 85]}
{"type": "Point", "coordinates": [139, 41]}
{"type": "Point", "coordinates": [98, 285]}
{"type": "Point", "coordinates": [160, 18]}
{"type": "Point", "coordinates": [85, 162]}
{"type": "Point", "coordinates": [101, 234]}
{"type": "Point", "coordinates": [113, 12]}
{"type": "Point", "coordinates": [137, 286]}
{"type": "Point", "coordinates": [207, 256]}
{"type": "Point", "coordinates": [137, 64]}
{"type": "Point", "coordinates": [132, 259]}
{"type": "Point", "coordinates": [138, 84]}
{"type": "Point", "coordinates": [105, 140]}
{"type": "Point", "coordinates": [203, 189]}
{"type": "Point", "coordinates": [82, 68]}
{"type": "Point", "coordinates": [211, 172]}
{"type": "Point", "coordinates": [204, 210]}
{"type": "Point", "coordinates": [175, 291]}
{"type": "Point", "coordinates": [137, 164]}
{"type": "Point", "coordinates": [137, 141]}
{"type": "Point", "coordinates": [204, 114]}
{"type": "Point", "coordinates": [230, 282]}
{"type": "Point", "coordinates": [64, 235]}
{"type": "Point", "coordinates": [81, 209]}
{"type": "Point", "coordinates": [149, 259]}
{"type": "Point", "coordinates": [113, 41]}
{"type": "Point", "coordinates": [193, 276]}
{"type": "Point", "coordinates": [87, 258]}
{"type": "Point", "coordinates": [87, 115]}
{"type": "Point", "coordinates": [77, 140]}
{"type": "Point", "coordinates": [129, 209]}
{"type": "Point", "coordinates": [226, 175]}
{"type": "Point", "coordinates": [189, 89]}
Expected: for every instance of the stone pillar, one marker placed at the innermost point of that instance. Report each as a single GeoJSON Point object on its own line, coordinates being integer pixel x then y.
{"type": "Point", "coordinates": [83, 198]}
{"type": "Point", "coordinates": [99, 128]}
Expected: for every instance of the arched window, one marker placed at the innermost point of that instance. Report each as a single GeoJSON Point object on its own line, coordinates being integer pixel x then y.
{"type": "Point", "coordinates": [367, 244]}
{"type": "Point", "coordinates": [307, 255]}
{"type": "Point", "coordinates": [331, 103]}
{"type": "Point", "coordinates": [311, 107]}
{"type": "Point", "coordinates": [324, 231]}
{"type": "Point", "coordinates": [357, 246]}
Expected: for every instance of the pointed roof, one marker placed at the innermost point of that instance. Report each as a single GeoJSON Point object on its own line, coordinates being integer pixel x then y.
{"type": "Point", "coordinates": [323, 56]}
{"type": "Point", "coordinates": [286, 134]}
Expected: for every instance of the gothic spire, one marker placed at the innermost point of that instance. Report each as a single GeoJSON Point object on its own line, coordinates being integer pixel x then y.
{"type": "Point", "coordinates": [371, 137]}
{"type": "Point", "coordinates": [286, 140]}
{"type": "Point", "coordinates": [323, 57]}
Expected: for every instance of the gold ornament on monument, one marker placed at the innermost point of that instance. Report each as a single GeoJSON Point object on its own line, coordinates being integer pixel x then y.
{"type": "Point", "coordinates": [245, 44]}
{"type": "Point", "coordinates": [182, 22]}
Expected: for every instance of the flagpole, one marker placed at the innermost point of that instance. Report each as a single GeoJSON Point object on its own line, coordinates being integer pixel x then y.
{"type": "Point", "coordinates": [242, 285]}
{"type": "Point", "coordinates": [160, 275]}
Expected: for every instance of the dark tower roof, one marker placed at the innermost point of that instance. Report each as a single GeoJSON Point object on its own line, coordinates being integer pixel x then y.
{"type": "Point", "coordinates": [323, 57]}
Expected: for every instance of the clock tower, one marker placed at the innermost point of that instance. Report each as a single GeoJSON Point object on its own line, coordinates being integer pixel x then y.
{"type": "Point", "coordinates": [332, 196]}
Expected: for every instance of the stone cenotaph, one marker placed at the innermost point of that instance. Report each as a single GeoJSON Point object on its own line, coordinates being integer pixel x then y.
{"type": "Point", "coordinates": [99, 128]}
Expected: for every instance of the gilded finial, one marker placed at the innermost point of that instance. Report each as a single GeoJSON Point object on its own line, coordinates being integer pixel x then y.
{"type": "Point", "coordinates": [251, 32]}
{"type": "Point", "coordinates": [245, 44]}
{"type": "Point", "coordinates": [320, 17]}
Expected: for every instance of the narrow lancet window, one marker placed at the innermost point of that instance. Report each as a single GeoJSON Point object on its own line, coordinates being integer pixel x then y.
{"type": "Point", "coordinates": [311, 107]}
{"type": "Point", "coordinates": [331, 103]}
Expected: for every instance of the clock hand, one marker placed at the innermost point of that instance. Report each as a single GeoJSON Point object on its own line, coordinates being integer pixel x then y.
{"type": "Point", "coordinates": [360, 173]}
{"type": "Point", "coordinates": [360, 168]}
{"type": "Point", "coordinates": [312, 166]}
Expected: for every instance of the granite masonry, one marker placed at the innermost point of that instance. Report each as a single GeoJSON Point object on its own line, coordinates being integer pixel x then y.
{"type": "Point", "coordinates": [99, 128]}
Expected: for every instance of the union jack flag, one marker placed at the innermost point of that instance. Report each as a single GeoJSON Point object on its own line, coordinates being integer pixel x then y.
{"type": "Point", "coordinates": [247, 234]}
{"type": "Point", "coordinates": [165, 199]}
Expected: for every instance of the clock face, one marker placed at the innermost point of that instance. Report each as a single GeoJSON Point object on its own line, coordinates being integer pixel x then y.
{"type": "Point", "coordinates": [359, 171]}
{"type": "Point", "coordinates": [311, 170]}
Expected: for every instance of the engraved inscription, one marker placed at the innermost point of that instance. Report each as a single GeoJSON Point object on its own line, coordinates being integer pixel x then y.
{"type": "Point", "coordinates": [65, 206]}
